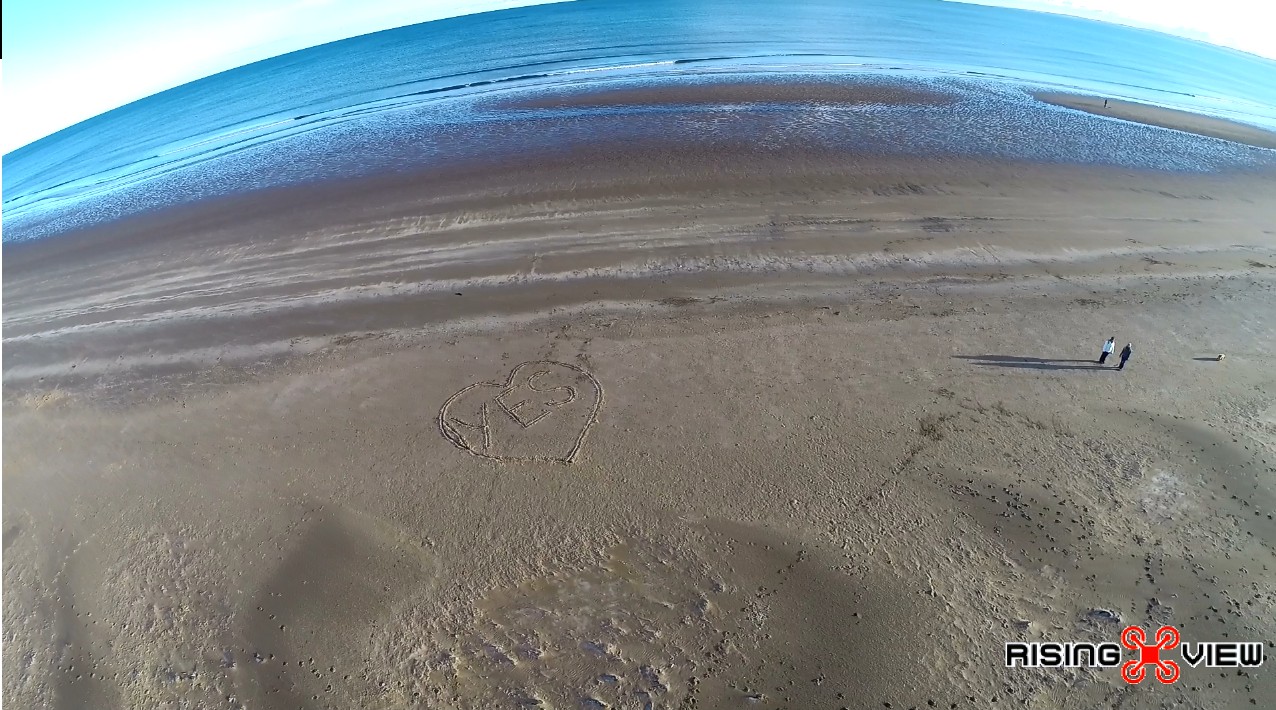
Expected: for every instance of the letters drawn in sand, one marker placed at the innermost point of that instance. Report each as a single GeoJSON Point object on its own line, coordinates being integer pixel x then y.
{"type": "Point", "coordinates": [541, 412]}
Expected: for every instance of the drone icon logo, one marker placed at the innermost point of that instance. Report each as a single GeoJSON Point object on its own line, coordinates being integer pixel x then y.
{"type": "Point", "coordinates": [1166, 642]}
{"type": "Point", "coordinates": [1135, 639]}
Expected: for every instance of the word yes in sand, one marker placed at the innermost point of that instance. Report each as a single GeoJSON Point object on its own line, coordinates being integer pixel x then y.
{"type": "Point", "coordinates": [541, 412]}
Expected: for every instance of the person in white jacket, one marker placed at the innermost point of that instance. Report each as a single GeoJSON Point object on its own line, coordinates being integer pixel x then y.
{"type": "Point", "coordinates": [1108, 347]}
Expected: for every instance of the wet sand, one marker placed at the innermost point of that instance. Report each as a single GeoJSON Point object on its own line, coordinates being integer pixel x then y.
{"type": "Point", "coordinates": [1165, 118]}
{"type": "Point", "coordinates": [805, 92]}
{"type": "Point", "coordinates": [630, 430]}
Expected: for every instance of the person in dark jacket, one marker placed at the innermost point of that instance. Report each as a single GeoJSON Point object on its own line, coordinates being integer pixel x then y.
{"type": "Point", "coordinates": [1126, 352]}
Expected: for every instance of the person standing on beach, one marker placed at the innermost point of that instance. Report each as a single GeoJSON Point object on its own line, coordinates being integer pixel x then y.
{"type": "Point", "coordinates": [1126, 352]}
{"type": "Point", "coordinates": [1108, 347]}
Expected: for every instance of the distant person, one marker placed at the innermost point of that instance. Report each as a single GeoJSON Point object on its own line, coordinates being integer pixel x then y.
{"type": "Point", "coordinates": [1105, 103]}
{"type": "Point", "coordinates": [1108, 347]}
{"type": "Point", "coordinates": [1126, 352]}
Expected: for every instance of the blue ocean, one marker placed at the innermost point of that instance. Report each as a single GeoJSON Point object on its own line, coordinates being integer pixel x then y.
{"type": "Point", "coordinates": [390, 100]}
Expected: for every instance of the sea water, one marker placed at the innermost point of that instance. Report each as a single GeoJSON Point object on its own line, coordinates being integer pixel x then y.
{"type": "Point", "coordinates": [419, 96]}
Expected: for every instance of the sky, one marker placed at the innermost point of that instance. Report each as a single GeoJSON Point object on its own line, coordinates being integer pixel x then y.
{"type": "Point", "coordinates": [1240, 24]}
{"type": "Point", "coordinates": [70, 60]}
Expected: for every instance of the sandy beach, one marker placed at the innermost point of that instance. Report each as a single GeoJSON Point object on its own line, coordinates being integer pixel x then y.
{"type": "Point", "coordinates": [1167, 118]}
{"type": "Point", "coordinates": [635, 426]}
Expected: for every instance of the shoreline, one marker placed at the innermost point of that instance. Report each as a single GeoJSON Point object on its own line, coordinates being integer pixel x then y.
{"type": "Point", "coordinates": [260, 277]}
{"type": "Point", "coordinates": [847, 91]}
{"type": "Point", "coordinates": [1174, 119]}
{"type": "Point", "coordinates": [690, 133]}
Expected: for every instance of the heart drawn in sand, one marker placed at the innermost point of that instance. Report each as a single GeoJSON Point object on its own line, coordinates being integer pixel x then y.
{"type": "Point", "coordinates": [542, 412]}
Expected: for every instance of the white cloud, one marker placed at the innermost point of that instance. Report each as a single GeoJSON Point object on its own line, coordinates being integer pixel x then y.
{"type": "Point", "coordinates": [1240, 24]}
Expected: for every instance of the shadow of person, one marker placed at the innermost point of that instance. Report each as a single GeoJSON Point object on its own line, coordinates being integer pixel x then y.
{"type": "Point", "coordinates": [1045, 366]}
{"type": "Point", "coordinates": [1032, 363]}
{"type": "Point", "coordinates": [1014, 358]}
